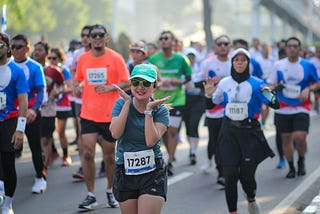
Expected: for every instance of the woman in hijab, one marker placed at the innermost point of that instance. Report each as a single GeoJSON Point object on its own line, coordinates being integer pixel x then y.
{"type": "Point", "coordinates": [241, 144]}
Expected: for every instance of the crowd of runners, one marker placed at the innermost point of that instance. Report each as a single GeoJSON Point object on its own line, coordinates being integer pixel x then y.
{"type": "Point", "coordinates": [131, 108]}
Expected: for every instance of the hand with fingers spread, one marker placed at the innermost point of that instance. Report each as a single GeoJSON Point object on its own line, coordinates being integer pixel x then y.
{"type": "Point", "coordinates": [210, 85]}
{"type": "Point", "coordinates": [156, 103]}
{"type": "Point", "coordinates": [122, 93]}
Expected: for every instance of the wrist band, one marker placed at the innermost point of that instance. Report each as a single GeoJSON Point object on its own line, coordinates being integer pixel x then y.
{"type": "Point", "coordinates": [21, 125]}
{"type": "Point", "coordinates": [208, 96]}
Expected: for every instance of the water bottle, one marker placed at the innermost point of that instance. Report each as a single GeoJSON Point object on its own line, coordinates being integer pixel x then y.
{"type": "Point", "coordinates": [269, 95]}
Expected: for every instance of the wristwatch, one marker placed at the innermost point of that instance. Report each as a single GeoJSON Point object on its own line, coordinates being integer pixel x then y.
{"type": "Point", "coordinates": [148, 112]}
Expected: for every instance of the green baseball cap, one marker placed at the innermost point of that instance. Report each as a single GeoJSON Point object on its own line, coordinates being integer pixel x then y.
{"type": "Point", "coordinates": [144, 71]}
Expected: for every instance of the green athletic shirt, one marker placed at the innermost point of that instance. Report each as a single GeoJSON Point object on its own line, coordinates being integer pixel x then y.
{"type": "Point", "coordinates": [177, 66]}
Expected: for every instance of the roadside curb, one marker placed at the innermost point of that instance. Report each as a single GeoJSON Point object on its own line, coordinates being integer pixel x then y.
{"type": "Point", "coordinates": [314, 207]}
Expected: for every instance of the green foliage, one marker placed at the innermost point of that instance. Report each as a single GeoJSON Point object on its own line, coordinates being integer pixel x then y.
{"type": "Point", "coordinates": [58, 20]}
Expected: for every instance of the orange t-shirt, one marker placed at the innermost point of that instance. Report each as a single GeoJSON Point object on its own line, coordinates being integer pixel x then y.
{"type": "Point", "coordinates": [107, 69]}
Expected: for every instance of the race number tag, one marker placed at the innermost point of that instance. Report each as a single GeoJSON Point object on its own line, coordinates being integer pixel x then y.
{"type": "Point", "coordinates": [291, 91]}
{"type": "Point", "coordinates": [137, 163]}
{"type": "Point", "coordinates": [3, 100]}
{"type": "Point", "coordinates": [237, 111]}
{"type": "Point", "coordinates": [96, 76]}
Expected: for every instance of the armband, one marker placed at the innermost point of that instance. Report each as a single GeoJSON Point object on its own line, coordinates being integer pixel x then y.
{"type": "Point", "coordinates": [21, 125]}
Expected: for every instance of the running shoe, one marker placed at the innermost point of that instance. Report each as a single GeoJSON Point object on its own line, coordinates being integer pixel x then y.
{"type": "Point", "coordinates": [281, 163]}
{"type": "Point", "coordinates": [221, 180]}
{"type": "Point", "coordinates": [170, 169]}
{"type": "Point", "coordinates": [79, 174]}
{"type": "Point", "coordinates": [291, 173]}
{"type": "Point", "coordinates": [7, 210]}
{"type": "Point", "coordinates": [111, 201]}
{"type": "Point", "coordinates": [89, 203]}
{"type": "Point", "coordinates": [193, 159]}
{"type": "Point", "coordinates": [39, 186]}
{"type": "Point", "coordinates": [207, 168]}
{"type": "Point", "coordinates": [66, 161]}
{"type": "Point", "coordinates": [301, 168]}
{"type": "Point", "coordinates": [253, 207]}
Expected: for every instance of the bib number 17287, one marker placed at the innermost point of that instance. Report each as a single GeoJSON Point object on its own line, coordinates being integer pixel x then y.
{"type": "Point", "coordinates": [136, 163]}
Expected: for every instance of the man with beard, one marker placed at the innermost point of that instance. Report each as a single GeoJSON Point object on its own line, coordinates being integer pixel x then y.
{"type": "Point", "coordinates": [97, 71]}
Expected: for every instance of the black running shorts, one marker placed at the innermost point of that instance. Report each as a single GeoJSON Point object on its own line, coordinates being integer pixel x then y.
{"type": "Point", "coordinates": [48, 126]}
{"type": "Point", "coordinates": [292, 122]}
{"type": "Point", "coordinates": [127, 187]}
{"type": "Point", "coordinates": [89, 126]}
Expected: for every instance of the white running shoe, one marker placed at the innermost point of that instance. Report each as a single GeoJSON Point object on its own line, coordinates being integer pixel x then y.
{"type": "Point", "coordinates": [7, 210]}
{"type": "Point", "coordinates": [40, 185]}
{"type": "Point", "coordinates": [254, 207]}
{"type": "Point", "coordinates": [207, 168]}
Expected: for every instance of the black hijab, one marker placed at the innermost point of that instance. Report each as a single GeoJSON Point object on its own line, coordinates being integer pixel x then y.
{"type": "Point", "coordinates": [246, 74]}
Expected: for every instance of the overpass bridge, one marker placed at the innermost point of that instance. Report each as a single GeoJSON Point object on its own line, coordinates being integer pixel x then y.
{"type": "Point", "coordinates": [303, 16]}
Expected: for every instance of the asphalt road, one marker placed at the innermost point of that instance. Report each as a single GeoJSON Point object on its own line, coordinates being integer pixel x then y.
{"type": "Point", "coordinates": [189, 192]}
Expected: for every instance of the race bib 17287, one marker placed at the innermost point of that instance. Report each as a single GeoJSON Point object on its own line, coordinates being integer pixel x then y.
{"type": "Point", "coordinates": [136, 163]}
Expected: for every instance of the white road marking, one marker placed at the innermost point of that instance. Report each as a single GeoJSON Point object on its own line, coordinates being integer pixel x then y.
{"type": "Point", "coordinates": [179, 177]}
{"type": "Point", "coordinates": [296, 193]}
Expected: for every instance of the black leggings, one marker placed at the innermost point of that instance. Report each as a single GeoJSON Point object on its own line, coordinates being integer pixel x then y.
{"type": "Point", "coordinates": [214, 125]}
{"type": "Point", "coordinates": [246, 175]}
{"type": "Point", "coordinates": [34, 136]}
{"type": "Point", "coordinates": [8, 171]}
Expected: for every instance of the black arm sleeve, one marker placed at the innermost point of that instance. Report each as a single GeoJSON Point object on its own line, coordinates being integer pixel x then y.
{"type": "Point", "coordinates": [209, 103]}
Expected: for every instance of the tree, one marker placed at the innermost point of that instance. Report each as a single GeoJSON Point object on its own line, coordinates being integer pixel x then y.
{"type": "Point", "coordinates": [207, 23]}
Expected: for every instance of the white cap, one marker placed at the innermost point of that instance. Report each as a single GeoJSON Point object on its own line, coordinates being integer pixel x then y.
{"type": "Point", "coordinates": [190, 50]}
{"type": "Point", "coordinates": [240, 50]}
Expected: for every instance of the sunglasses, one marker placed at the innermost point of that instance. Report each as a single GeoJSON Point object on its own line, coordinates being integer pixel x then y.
{"type": "Point", "coordinates": [144, 83]}
{"type": "Point", "coordinates": [2, 45]}
{"type": "Point", "coordinates": [17, 47]}
{"type": "Point", "coordinates": [292, 46]}
{"type": "Point", "coordinates": [52, 58]}
{"type": "Point", "coordinates": [84, 35]}
{"type": "Point", "coordinates": [223, 43]}
{"type": "Point", "coordinates": [95, 35]}
{"type": "Point", "coordinates": [165, 38]}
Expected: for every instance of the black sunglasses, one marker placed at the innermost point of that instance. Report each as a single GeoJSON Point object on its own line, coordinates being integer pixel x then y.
{"type": "Point", "coordinates": [136, 83]}
{"type": "Point", "coordinates": [164, 38]}
{"type": "Point", "coordinates": [17, 47]}
{"type": "Point", "coordinates": [95, 35]}
{"type": "Point", "coordinates": [84, 35]}
{"type": "Point", "coordinates": [293, 46]}
{"type": "Point", "coordinates": [223, 43]}
{"type": "Point", "coordinates": [52, 57]}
